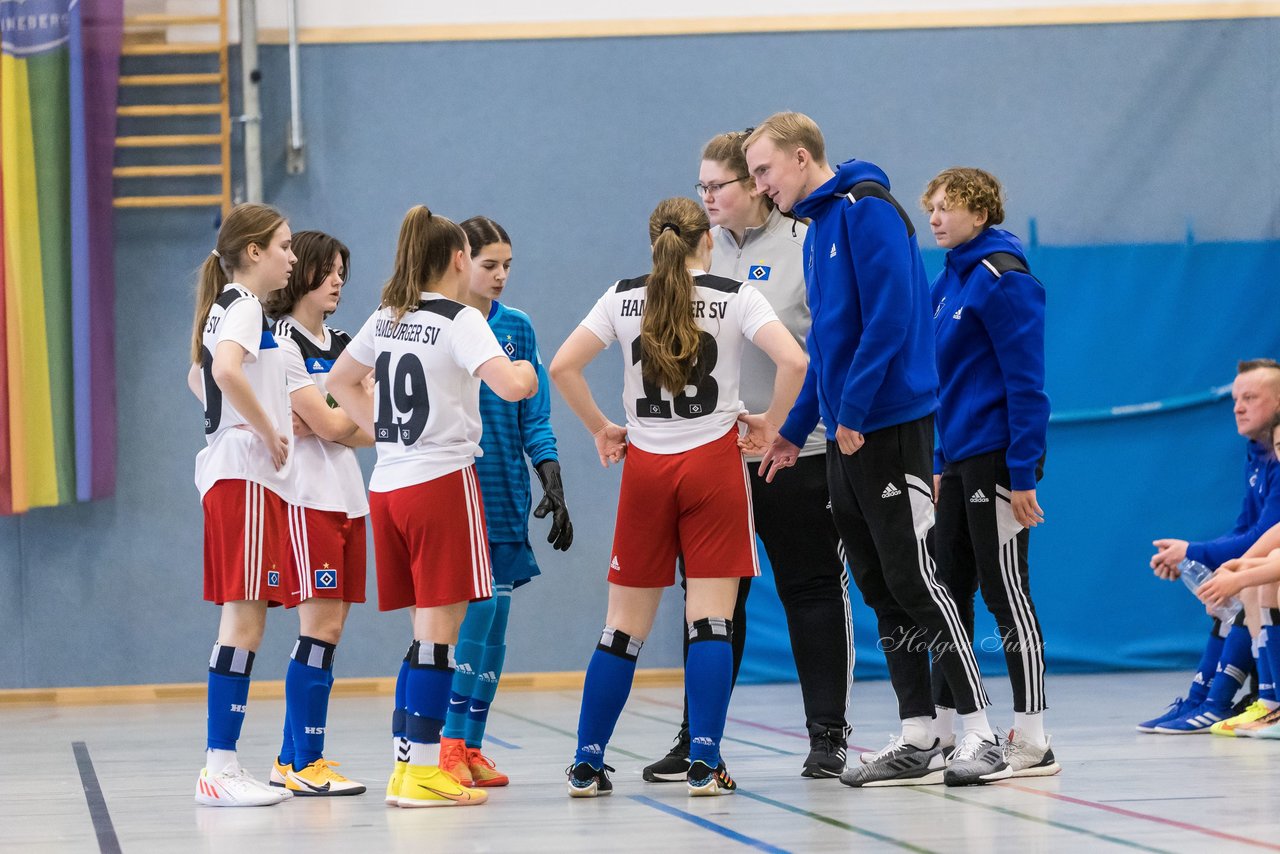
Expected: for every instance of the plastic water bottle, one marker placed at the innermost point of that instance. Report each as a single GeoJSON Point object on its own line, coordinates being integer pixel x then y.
{"type": "Point", "coordinates": [1193, 574]}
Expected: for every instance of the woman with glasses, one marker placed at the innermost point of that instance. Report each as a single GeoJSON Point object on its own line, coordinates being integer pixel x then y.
{"type": "Point", "coordinates": [755, 243]}
{"type": "Point", "coordinates": [684, 487]}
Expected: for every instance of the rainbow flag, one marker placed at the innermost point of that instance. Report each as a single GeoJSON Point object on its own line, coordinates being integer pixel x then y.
{"type": "Point", "coordinates": [59, 70]}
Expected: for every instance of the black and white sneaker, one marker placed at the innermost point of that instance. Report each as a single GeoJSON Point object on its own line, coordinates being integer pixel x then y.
{"type": "Point", "coordinates": [705, 781]}
{"type": "Point", "coordinates": [674, 767]}
{"type": "Point", "coordinates": [977, 761]}
{"type": "Point", "coordinates": [826, 754]}
{"type": "Point", "coordinates": [587, 781]}
{"type": "Point", "coordinates": [899, 764]}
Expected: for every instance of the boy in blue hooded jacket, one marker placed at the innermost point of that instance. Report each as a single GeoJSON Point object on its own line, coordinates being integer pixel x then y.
{"type": "Point", "coordinates": [873, 381]}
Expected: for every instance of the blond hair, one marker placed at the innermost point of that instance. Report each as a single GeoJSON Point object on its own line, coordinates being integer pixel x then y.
{"type": "Point", "coordinates": [790, 131]}
{"type": "Point", "coordinates": [966, 187]}
{"type": "Point", "coordinates": [670, 340]}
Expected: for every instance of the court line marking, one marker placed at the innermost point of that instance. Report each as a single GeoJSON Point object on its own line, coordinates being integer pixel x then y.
{"type": "Point", "coordinates": [493, 739]}
{"type": "Point", "coordinates": [1167, 822]}
{"type": "Point", "coordinates": [572, 735]}
{"type": "Point", "coordinates": [1128, 843]}
{"type": "Point", "coordinates": [755, 724]}
{"type": "Point", "coordinates": [731, 738]}
{"type": "Point", "coordinates": [835, 822]}
{"type": "Point", "coordinates": [699, 821]}
{"type": "Point", "coordinates": [108, 842]}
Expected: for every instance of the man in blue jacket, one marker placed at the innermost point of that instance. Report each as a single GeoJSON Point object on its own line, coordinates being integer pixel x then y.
{"type": "Point", "coordinates": [873, 381]}
{"type": "Point", "coordinates": [1228, 655]}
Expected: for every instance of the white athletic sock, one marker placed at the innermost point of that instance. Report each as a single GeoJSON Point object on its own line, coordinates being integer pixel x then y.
{"type": "Point", "coordinates": [424, 754]}
{"type": "Point", "coordinates": [399, 748]}
{"type": "Point", "coordinates": [218, 761]}
{"type": "Point", "coordinates": [976, 722]}
{"type": "Point", "coordinates": [944, 724]}
{"type": "Point", "coordinates": [1030, 725]}
{"type": "Point", "coordinates": [918, 732]}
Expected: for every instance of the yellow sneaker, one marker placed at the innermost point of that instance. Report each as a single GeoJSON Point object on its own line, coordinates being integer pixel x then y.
{"type": "Point", "coordinates": [1228, 727]}
{"type": "Point", "coordinates": [320, 780]}
{"type": "Point", "coordinates": [428, 786]}
{"type": "Point", "coordinates": [483, 772]}
{"type": "Point", "coordinates": [1254, 728]}
{"type": "Point", "coordinates": [393, 785]}
{"type": "Point", "coordinates": [453, 760]}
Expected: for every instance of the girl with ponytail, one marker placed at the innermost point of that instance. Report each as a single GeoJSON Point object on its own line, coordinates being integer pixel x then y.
{"type": "Point", "coordinates": [243, 475]}
{"type": "Point", "coordinates": [685, 489]}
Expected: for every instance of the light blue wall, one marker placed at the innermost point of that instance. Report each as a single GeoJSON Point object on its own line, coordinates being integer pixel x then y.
{"type": "Point", "coordinates": [1105, 134]}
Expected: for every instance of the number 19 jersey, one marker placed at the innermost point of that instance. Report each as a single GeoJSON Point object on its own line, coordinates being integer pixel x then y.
{"type": "Point", "coordinates": [426, 395]}
{"type": "Point", "coordinates": [729, 313]}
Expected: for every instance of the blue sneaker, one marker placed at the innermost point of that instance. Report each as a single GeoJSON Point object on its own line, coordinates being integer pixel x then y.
{"type": "Point", "coordinates": [1197, 720]}
{"type": "Point", "coordinates": [1177, 709]}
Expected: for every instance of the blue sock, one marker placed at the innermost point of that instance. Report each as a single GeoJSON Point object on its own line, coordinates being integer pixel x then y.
{"type": "Point", "coordinates": [306, 698]}
{"type": "Point", "coordinates": [609, 675]}
{"type": "Point", "coordinates": [1233, 667]}
{"type": "Point", "coordinates": [1270, 650]}
{"type": "Point", "coordinates": [399, 714]}
{"type": "Point", "coordinates": [708, 679]}
{"type": "Point", "coordinates": [1208, 665]}
{"type": "Point", "coordinates": [490, 669]}
{"type": "Point", "coordinates": [427, 693]}
{"type": "Point", "coordinates": [469, 652]}
{"type": "Point", "coordinates": [286, 741]}
{"type": "Point", "coordinates": [229, 669]}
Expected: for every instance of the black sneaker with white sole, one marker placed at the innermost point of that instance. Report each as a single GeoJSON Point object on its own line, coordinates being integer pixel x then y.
{"type": "Point", "coordinates": [674, 767]}
{"type": "Point", "coordinates": [705, 781]}
{"type": "Point", "coordinates": [899, 764]}
{"type": "Point", "coordinates": [826, 754]}
{"type": "Point", "coordinates": [588, 781]}
{"type": "Point", "coordinates": [977, 761]}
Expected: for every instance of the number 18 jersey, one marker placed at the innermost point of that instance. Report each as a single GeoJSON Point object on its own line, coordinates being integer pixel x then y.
{"type": "Point", "coordinates": [426, 408]}
{"type": "Point", "coordinates": [729, 313]}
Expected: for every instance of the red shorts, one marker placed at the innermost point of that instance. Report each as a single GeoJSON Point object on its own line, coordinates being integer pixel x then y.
{"type": "Point", "coordinates": [328, 555]}
{"type": "Point", "coordinates": [430, 545]}
{"type": "Point", "coordinates": [246, 544]}
{"type": "Point", "coordinates": [696, 503]}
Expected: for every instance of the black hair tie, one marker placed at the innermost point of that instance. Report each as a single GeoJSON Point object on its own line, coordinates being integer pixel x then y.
{"type": "Point", "coordinates": [672, 226]}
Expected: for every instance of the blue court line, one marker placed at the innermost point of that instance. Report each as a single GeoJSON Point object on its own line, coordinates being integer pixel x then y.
{"type": "Point", "coordinates": [708, 825]}
{"type": "Point", "coordinates": [493, 739]}
{"type": "Point", "coordinates": [835, 822]}
{"type": "Point", "coordinates": [108, 842]}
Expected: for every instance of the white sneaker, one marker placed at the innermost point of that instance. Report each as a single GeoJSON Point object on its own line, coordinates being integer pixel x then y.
{"type": "Point", "coordinates": [1028, 759]}
{"type": "Point", "coordinates": [235, 787]}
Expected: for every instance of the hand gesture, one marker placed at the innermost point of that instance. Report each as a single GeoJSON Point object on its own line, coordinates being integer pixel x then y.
{"type": "Point", "coordinates": [759, 436]}
{"type": "Point", "coordinates": [849, 441]}
{"type": "Point", "coordinates": [1220, 587]}
{"type": "Point", "coordinates": [1169, 553]}
{"type": "Point", "coordinates": [780, 455]}
{"type": "Point", "coordinates": [611, 443]}
{"type": "Point", "coordinates": [1025, 508]}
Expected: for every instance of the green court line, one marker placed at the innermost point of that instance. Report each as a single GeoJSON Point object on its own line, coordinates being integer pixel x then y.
{"type": "Point", "coordinates": [835, 822]}
{"type": "Point", "coordinates": [725, 738]}
{"type": "Point", "coordinates": [925, 790]}
{"type": "Point", "coordinates": [565, 732]}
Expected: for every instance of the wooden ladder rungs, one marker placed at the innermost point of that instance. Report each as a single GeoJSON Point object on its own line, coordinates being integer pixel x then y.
{"type": "Point", "coordinates": [211, 79]}
{"type": "Point", "coordinates": [169, 48]}
{"type": "Point", "coordinates": [161, 20]}
{"type": "Point", "coordinates": [168, 201]}
{"type": "Point", "coordinates": [158, 141]}
{"type": "Point", "coordinates": [160, 110]}
{"type": "Point", "coordinates": [167, 171]}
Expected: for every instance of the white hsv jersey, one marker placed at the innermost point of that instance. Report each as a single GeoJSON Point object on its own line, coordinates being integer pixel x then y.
{"type": "Point", "coordinates": [426, 397]}
{"type": "Point", "coordinates": [326, 475]}
{"type": "Point", "coordinates": [729, 314]}
{"type": "Point", "coordinates": [234, 451]}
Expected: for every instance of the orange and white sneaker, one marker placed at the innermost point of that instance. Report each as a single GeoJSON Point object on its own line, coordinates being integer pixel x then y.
{"type": "Point", "coordinates": [453, 760]}
{"type": "Point", "coordinates": [234, 787]}
{"type": "Point", "coordinates": [483, 772]}
{"type": "Point", "coordinates": [320, 780]}
{"type": "Point", "coordinates": [393, 785]}
{"type": "Point", "coordinates": [428, 786]}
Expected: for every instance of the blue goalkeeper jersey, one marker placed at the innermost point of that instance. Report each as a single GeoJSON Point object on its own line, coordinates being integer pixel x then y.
{"type": "Point", "coordinates": [513, 431]}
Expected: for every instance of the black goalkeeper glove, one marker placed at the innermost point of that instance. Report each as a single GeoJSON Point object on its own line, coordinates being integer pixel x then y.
{"type": "Point", "coordinates": [561, 535]}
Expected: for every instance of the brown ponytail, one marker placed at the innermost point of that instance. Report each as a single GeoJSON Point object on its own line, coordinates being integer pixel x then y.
{"type": "Point", "coordinates": [669, 337]}
{"type": "Point", "coordinates": [245, 224]}
{"type": "Point", "coordinates": [425, 248]}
